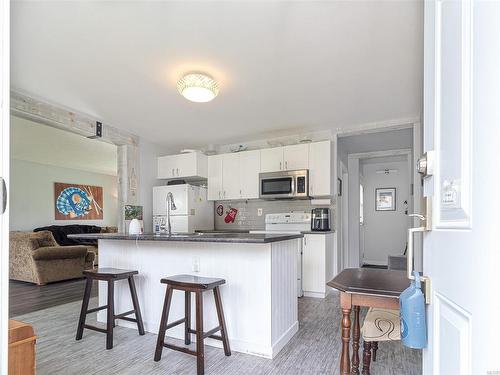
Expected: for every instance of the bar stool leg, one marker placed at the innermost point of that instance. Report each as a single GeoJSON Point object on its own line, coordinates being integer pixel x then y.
{"type": "Point", "coordinates": [374, 350]}
{"type": "Point", "coordinates": [163, 323]}
{"type": "Point", "coordinates": [222, 321]}
{"type": "Point", "coordinates": [111, 314]}
{"type": "Point", "coordinates": [85, 306]}
{"type": "Point", "coordinates": [135, 302]}
{"type": "Point", "coordinates": [200, 353]}
{"type": "Point", "coordinates": [187, 316]}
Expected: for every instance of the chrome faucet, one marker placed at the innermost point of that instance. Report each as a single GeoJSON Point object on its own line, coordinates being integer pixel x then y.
{"type": "Point", "coordinates": [170, 206]}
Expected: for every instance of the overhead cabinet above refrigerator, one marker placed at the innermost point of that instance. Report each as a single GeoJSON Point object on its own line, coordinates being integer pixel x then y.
{"type": "Point", "coordinates": [188, 166]}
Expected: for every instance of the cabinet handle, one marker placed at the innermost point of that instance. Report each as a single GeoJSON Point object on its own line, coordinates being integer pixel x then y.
{"type": "Point", "coordinates": [177, 171]}
{"type": "Point", "coordinates": [240, 193]}
{"type": "Point", "coordinates": [280, 166]}
{"type": "Point", "coordinates": [224, 194]}
{"type": "Point", "coordinates": [173, 172]}
{"type": "Point", "coordinates": [286, 165]}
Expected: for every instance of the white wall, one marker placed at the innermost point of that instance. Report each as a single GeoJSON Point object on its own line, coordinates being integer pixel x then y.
{"type": "Point", "coordinates": [32, 194]}
{"type": "Point", "coordinates": [148, 153]}
{"type": "Point", "coordinates": [384, 231]}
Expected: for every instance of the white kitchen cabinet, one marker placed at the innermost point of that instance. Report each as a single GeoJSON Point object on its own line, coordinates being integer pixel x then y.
{"type": "Point", "coordinates": [319, 263]}
{"type": "Point", "coordinates": [215, 177]}
{"type": "Point", "coordinates": [320, 169]}
{"type": "Point", "coordinates": [188, 165]}
{"type": "Point", "coordinates": [231, 176]}
{"type": "Point", "coordinates": [249, 169]}
{"type": "Point", "coordinates": [295, 157]}
{"type": "Point", "coordinates": [271, 159]}
{"type": "Point", "coordinates": [234, 176]}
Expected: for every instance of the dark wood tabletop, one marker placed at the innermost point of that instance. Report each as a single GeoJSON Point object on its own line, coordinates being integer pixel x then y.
{"type": "Point", "coordinates": [380, 282]}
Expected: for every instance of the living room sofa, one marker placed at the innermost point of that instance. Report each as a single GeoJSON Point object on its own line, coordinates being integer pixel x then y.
{"type": "Point", "coordinates": [37, 258]}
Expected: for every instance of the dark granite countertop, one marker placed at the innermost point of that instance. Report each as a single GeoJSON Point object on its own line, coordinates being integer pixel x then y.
{"type": "Point", "coordinates": [196, 237]}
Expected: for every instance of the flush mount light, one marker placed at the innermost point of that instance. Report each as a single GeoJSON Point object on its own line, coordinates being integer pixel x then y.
{"type": "Point", "coordinates": [198, 87]}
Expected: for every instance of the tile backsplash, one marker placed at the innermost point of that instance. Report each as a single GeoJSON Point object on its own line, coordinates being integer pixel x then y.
{"type": "Point", "coordinates": [247, 217]}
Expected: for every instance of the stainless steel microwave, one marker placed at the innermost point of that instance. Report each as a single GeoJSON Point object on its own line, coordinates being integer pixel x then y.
{"type": "Point", "coordinates": [284, 184]}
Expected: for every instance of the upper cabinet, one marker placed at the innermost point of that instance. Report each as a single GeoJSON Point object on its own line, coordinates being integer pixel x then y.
{"type": "Point", "coordinates": [296, 157]}
{"type": "Point", "coordinates": [234, 176]}
{"type": "Point", "coordinates": [271, 159]}
{"type": "Point", "coordinates": [286, 158]}
{"type": "Point", "coordinates": [320, 169]}
{"type": "Point", "coordinates": [189, 165]}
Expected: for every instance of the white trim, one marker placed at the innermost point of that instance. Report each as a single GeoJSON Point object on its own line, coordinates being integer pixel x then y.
{"type": "Point", "coordinates": [4, 172]}
{"type": "Point", "coordinates": [375, 127]}
{"type": "Point", "coordinates": [315, 294]}
{"type": "Point", "coordinates": [381, 154]}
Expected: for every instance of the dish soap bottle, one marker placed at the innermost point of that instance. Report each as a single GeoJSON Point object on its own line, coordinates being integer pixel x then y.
{"type": "Point", "coordinates": [412, 315]}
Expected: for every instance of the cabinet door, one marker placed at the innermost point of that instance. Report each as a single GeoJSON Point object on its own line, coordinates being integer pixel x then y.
{"type": "Point", "coordinates": [271, 159]}
{"type": "Point", "coordinates": [296, 157]}
{"type": "Point", "coordinates": [215, 177]}
{"type": "Point", "coordinates": [185, 165]}
{"type": "Point", "coordinates": [313, 264]}
{"type": "Point", "coordinates": [249, 169]}
{"type": "Point", "coordinates": [320, 169]}
{"type": "Point", "coordinates": [166, 167]}
{"type": "Point", "coordinates": [231, 176]}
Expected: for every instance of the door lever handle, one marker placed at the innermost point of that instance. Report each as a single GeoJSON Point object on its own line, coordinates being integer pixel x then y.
{"type": "Point", "coordinates": [419, 216]}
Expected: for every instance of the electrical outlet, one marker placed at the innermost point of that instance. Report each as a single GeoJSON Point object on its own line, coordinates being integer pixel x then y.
{"type": "Point", "coordinates": [259, 211]}
{"type": "Point", "coordinates": [196, 264]}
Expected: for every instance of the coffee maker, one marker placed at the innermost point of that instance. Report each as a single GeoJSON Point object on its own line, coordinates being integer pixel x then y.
{"type": "Point", "coordinates": [320, 220]}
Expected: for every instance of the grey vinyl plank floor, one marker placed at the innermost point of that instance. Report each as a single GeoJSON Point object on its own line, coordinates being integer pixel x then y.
{"type": "Point", "coordinates": [315, 349]}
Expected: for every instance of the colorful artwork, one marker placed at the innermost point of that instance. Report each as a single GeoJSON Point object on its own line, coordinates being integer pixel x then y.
{"type": "Point", "coordinates": [78, 202]}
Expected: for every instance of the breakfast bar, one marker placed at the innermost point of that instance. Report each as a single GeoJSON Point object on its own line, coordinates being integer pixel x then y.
{"type": "Point", "coordinates": [259, 297]}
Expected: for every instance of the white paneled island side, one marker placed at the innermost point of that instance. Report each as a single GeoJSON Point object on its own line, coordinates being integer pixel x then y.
{"type": "Point", "coordinates": [259, 297]}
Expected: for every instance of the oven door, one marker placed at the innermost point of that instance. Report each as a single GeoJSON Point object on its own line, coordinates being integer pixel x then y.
{"type": "Point", "coordinates": [277, 186]}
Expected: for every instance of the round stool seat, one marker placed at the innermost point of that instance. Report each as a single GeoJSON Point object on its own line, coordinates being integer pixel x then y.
{"type": "Point", "coordinates": [110, 273]}
{"type": "Point", "coordinates": [381, 325]}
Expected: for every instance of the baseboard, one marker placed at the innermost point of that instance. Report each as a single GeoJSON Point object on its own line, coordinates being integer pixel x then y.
{"type": "Point", "coordinates": [283, 340]}
{"type": "Point", "coordinates": [315, 294]}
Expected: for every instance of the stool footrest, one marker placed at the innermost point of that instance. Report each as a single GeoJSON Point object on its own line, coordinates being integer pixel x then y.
{"type": "Point", "coordinates": [122, 315]}
{"type": "Point", "coordinates": [102, 330]}
{"type": "Point", "coordinates": [133, 320]}
{"type": "Point", "coordinates": [180, 349]}
{"type": "Point", "coordinates": [176, 323]}
{"type": "Point", "coordinates": [211, 332]}
{"type": "Point", "coordinates": [97, 309]}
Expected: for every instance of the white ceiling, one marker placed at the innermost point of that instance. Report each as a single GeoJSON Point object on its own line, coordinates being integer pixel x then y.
{"type": "Point", "coordinates": [282, 67]}
{"type": "Point", "coordinates": [31, 141]}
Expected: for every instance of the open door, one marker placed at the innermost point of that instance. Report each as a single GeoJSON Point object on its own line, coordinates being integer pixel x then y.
{"type": "Point", "coordinates": [4, 178]}
{"type": "Point", "coordinates": [462, 128]}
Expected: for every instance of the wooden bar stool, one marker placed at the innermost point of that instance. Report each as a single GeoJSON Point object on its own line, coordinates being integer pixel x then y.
{"type": "Point", "coordinates": [110, 275]}
{"type": "Point", "coordinates": [197, 285]}
{"type": "Point", "coordinates": [379, 325]}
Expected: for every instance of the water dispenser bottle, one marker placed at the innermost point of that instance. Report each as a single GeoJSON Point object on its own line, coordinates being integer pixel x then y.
{"type": "Point", "coordinates": [412, 314]}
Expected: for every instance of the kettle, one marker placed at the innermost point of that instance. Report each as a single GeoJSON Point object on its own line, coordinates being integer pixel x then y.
{"type": "Point", "coordinates": [412, 315]}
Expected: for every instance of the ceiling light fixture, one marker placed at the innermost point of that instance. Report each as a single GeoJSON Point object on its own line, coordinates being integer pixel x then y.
{"type": "Point", "coordinates": [198, 87]}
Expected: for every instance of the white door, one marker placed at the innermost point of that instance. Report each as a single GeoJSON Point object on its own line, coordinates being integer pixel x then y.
{"type": "Point", "coordinates": [296, 157]}
{"type": "Point", "coordinates": [215, 177]}
{"type": "Point", "coordinates": [249, 169]}
{"type": "Point", "coordinates": [231, 176]}
{"type": "Point", "coordinates": [271, 159]}
{"type": "Point", "coordinates": [462, 125]}
{"type": "Point", "coordinates": [4, 173]}
{"type": "Point", "coordinates": [166, 167]}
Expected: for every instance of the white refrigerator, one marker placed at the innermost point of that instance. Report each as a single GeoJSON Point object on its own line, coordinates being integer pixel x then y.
{"type": "Point", "coordinates": [193, 211]}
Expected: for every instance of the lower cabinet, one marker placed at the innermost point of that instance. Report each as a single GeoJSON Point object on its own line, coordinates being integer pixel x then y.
{"type": "Point", "coordinates": [320, 263]}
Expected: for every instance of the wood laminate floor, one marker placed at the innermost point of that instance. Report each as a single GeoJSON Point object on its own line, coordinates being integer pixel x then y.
{"type": "Point", "coordinates": [314, 349]}
{"type": "Point", "coordinates": [26, 297]}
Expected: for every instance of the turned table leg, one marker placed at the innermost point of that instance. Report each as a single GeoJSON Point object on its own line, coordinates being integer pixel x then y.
{"type": "Point", "coordinates": [345, 365]}
{"type": "Point", "coordinates": [367, 353]}
{"type": "Point", "coordinates": [355, 343]}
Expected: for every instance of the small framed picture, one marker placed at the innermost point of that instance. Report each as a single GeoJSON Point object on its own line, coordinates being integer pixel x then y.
{"type": "Point", "coordinates": [385, 199]}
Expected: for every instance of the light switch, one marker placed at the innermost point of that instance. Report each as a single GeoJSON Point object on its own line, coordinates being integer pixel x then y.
{"type": "Point", "coordinates": [259, 211]}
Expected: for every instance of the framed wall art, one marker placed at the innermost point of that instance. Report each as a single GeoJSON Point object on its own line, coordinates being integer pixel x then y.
{"type": "Point", "coordinates": [385, 199]}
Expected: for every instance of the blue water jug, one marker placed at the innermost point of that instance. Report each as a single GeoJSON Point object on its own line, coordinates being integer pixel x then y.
{"type": "Point", "coordinates": [412, 315]}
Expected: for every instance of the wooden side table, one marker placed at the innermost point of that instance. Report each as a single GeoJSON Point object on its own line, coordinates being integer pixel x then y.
{"type": "Point", "coordinates": [22, 341]}
{"type": "Point", "coordinates": [367, 287]}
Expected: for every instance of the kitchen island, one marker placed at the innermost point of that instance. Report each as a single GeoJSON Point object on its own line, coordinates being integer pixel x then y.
{"type": "Point", "coordinates": [259, 297]}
